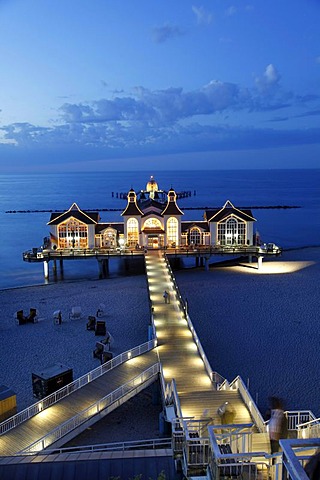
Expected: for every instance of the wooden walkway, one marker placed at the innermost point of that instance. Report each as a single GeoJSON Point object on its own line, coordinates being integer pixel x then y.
{"type": "Point", "coordinates": [179, 355]}
{"type": "Point", "coordinates": [44, 422]}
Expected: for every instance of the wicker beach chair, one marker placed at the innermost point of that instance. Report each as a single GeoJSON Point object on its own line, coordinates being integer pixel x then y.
{"type": "Point", "coordinates": [20, 318]}
{"type": "Point", "coordinates": [91, 324]}
{"type": "Point", "coordinates": [100, 328]}
{"type": "Point", "coordinates": [101, 312]}
{"type": "Point", "coordinates": [76, 313]}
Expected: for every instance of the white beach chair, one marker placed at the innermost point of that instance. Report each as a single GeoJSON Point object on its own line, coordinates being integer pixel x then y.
{"type": "Point", "coordinates": [101, 312]}
{"type": "Point", "coordinates": [57, 317]}
{"type": "Point", "coordinates": [76, 313]}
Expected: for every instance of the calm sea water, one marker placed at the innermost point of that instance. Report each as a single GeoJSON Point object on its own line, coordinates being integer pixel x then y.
{"type": "Point", "coordinates": [93, 191]}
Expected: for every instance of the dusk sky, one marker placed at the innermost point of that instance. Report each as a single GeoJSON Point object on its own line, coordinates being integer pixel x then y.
{"type": "Point", "coordinates": [139, 84]}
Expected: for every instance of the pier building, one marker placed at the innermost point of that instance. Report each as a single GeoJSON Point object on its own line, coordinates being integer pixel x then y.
{"type": "Point", "coordinates": [151, 220]}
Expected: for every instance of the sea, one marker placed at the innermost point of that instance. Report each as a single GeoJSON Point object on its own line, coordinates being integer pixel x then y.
{"type": "Point", "coordinates": [285, 203]}
{"type": "Point", "coordinates": [27, 199]}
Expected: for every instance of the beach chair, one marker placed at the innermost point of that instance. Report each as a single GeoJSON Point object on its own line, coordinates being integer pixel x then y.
{"type": "Point", "coordinates": [57, 317]}
{"type": "Point", "coordinates": [33, 316]}
{"type": "Point", "coordinates": [76, 313]}
{"type": "Point", "coordinates": [91, 324]}
{"type": "Point", "coordinates": [101, 312]}
{"type": "Point", "coordinates": [100, 328]}
{"type": "Point", "coordinates": [20, 318]}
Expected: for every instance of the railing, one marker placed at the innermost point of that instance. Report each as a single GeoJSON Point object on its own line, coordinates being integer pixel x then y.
{"type": "Point", "coordinates": [250, 404]}
{"type": "Point", "coordinates": [107, 403]}
{"type": "Point", "coordinates": [55, 397]}
{"type": "Point", "coordinates": [237, 461]}
{"type": "Point", "coordinates": [150, 444]}
{"type": "Point", "coordinates": [296, 454]}
{"type": "Point", "coordinates": [215, 377]}
{"type": "Point", "coordinates": [309, 429]}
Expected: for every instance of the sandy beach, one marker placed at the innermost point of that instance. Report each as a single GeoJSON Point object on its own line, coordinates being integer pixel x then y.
{"type": "Point", "coordinates": [262, 325]}
{"type": "Point", "coordinates": [27, 348]}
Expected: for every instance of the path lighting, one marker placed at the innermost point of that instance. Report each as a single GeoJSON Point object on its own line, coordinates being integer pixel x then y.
{"type": "Point", "coordinates": [121, 243]}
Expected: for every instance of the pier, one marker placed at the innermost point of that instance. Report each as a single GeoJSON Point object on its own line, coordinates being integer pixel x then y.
{"type": "Point", "coordinates": [201, 255]}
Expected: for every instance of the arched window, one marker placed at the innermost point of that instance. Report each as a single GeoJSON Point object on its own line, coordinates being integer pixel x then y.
{"type": "Point", "coordinates": [109, 238]}
{"type": "Point", "coordinates": [73, 234]}
{"type": "Point", "coordinates": [132, 232]}
{"type": "Point", "coordinates": [195, 236]}
{"type": "Point", "coordinates": [152, 223]}
{"type": "Point", "coordinates": [232, 232]}
{"type": "Point", "coordinates": [172, 232]}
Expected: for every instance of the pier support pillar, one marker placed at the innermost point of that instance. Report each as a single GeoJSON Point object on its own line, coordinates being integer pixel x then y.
{"type": "Point", "coordinates": [46, 269]}
{"type": "Point", "coordinates": [54, 267]}
{"type": "Point", "coordinates": [206, 264]}
{"type": "Point", "coordinates": [61, 265]}
{"type": "Point", "coordinates": [250, 258]}
{"type": "Point", "coordinates": [197, 261]}
{"type": "Point", "coordinates": [260, 262]}
{"type": "Point", "coordinates": [103, 268]}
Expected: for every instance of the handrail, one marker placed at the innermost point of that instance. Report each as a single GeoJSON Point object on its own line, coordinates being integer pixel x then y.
{"type": "Point", "coordinates": [249, 402]}
{"type": "Point", "coordinates": [152, 444]}
{"type": "Point", "coordinates": [314, 421]}
{"type": "Point", "coordinates": [215, 377]}
{"type": "Point", "coordinates": [103, 404]}
{"type": "Point", "coordinates": [63, 392]}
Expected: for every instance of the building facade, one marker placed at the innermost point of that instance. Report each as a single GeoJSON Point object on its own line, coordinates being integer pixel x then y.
{"type": "Point", "coordinates": [151, 219]}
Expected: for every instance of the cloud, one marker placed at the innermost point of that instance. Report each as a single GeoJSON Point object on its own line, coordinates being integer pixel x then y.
{"type": "Point", "coordinates": [269, 80]}
{"type": "Point", "coordinates": [231, 11]}
{"type": "Point", "coordinates": [203, 17]}
{"type": "Point", "coordinates": [166, 32]}
{"type": "Point", "coordinates": [172, 120]}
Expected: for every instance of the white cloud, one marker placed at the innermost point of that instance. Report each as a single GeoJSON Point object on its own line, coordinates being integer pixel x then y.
{"type": "Point", "coordinates": [231, 11]}
{"type": "Point", "coordinates": [269, 79]}
{"type": "Point", "coordinates": [203, 17]}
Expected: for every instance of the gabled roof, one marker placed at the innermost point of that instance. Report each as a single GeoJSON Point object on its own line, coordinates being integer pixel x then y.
{"type": "Point", "coordinates": [75, 212]}
{"type": "Point", "coordinates": [150, 203]}
{"type": "Point", "coordinates": [186, 226]}
{"type": "Point", "coordinates": [119, 226]}
{"type": "Point", "coordinates": [227, 210]}
{"type": "Point", "coordinates": [152, 213]}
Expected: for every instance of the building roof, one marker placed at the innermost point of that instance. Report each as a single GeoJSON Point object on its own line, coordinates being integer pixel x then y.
{"type": "Point", "coordinates": [227, 210]}
{"type": "Point", "coordinates": [119, 226]}
{"type": "Point", "coordinates": [75, 212]}
{"type": "Point", "coordinates": [185, 226]}
{"type": "Point", "coordinates": [132, 207]}
{"type": "Point", "coordinates": [172, 207]}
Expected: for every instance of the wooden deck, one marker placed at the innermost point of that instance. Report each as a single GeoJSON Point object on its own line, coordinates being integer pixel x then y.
{"type": "Point", "coordinates": [44, 422]}
{"type": "Point", "coordinates": [179, 355]}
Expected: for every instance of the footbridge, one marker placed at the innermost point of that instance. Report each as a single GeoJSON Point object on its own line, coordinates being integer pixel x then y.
{"type": "Point", "coordinates": [203, 442]}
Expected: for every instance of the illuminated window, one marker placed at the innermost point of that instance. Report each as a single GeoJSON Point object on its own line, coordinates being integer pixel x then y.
{"type": "Point", "coordinates": [172, 231]}
{"type": "Point", "coordinates": [195, 236]}
{"type": "Point", "coordinates": [109, 238]}
{"type": "Point", "coordinates": [152, 223]}
{"type": "Point", "coordinates": [232, 232]}
{"type": "Point", "coordinates": [132, 232]}
{"type": "Point", "coordinates": [73, 234]}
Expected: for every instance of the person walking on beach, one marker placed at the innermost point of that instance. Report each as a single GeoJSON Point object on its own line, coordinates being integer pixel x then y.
{"type": "Point", "coordinates": [278, 427]}
{"type": "Point", "coordinates": [166, 297]}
